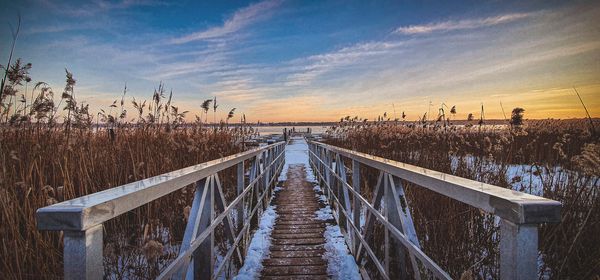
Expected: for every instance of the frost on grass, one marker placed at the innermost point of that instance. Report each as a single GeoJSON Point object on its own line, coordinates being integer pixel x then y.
{"type": "Point", "coordinates": [259, 246]}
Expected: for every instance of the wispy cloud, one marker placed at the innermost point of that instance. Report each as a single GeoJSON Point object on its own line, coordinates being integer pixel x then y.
{"type": "Point", "coordinates": [282, 75]}
{"type": "Point", "coordinates": [240, 19]}
{"type": "Point", "coordinates": [95, 7]}
{"type": "Point", "coordinates": [319, 64]}
{"type": "Point", "coordinates": [461, 24]}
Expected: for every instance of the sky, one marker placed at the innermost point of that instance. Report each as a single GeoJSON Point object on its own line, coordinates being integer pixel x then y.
{"type": "Point", "coordinates": [286, 60]}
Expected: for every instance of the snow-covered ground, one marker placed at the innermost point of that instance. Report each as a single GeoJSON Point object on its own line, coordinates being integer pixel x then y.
{"type": "Point", "coordinates": [259, 246]}
{"type": "Point", "coordinates": [296, 152]}
{"type": "Point", "coordinates": [521, 177]}
{"type": "Point", "coordinates": [341, 264]}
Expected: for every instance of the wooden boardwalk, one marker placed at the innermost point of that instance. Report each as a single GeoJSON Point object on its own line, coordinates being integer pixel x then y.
{"type": "Point", "coordinates": [298, 247]}
{"type": "Point", "coordinates": [297, 238]}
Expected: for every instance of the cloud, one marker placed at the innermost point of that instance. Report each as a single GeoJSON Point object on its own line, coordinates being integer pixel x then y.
{"type": "Point", "coordinates": [461, 24]}
{"type": "Point", "coordinates": [240, 19]}
{"type": "Point", "coordinates": [95, 7]}
{"type": "Point", "coordinates": [319, 64]}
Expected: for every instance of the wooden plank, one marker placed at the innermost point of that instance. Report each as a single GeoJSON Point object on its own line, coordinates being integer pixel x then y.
{"type": "Point", "coordinates": [300, 222]}
{"type": "Point", "coordinates": [296, 217]}
{"type": "Point", "coordinates": [294, 261]}
{"type": "Point", "coordinates": [297, 277]}
{"type": "Point", "coordinates": [295, 270]}
{"type": "Point", "coordinates": [299, 230]}
{"type": "Point", "coordinates": [297, 235]}
{"type": "Point", "coordinates": [309, 226]}
{"type": "Point", "coordinates": [297, 254]}
{"type": "Point", "coordinates": [299, 241]}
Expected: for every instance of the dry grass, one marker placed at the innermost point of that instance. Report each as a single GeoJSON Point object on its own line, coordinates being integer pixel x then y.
{"type": "Point", "coordinates": [52, 149]}
{"type": "Point", "coordinates": [557, 159]}
{"type": "Point", "coordinates": [39, 168]}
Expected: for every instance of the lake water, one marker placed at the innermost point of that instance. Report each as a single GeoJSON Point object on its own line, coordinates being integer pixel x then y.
{"type": "Point", "coordinates": [266, 130]}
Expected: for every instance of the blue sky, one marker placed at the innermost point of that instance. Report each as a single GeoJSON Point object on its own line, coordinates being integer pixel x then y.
{"type": "Point", "coordinates": [279, 60]}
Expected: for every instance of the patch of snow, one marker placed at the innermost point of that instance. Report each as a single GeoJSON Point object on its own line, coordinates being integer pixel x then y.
{"type": "Point", "coordinates": [219, 259]}
{"type": "Point", "coordinates": [341, 264]}
{"type": "Point", "coordinates": [363, 215]}
{"type": "Point", "coordinates": [322, 198]}
{"type": "Point", "coordinates": [259, 246]}
{"type": "Point", "coordinates": [521, 177]}
{"type": "Point", "coordinates": [296, 152]}
{"type": "Point", "coordinates": [324, 214]}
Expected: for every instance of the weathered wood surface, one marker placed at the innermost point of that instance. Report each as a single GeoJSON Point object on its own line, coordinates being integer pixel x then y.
{"type": "Point", "coordinates": [297, 238]}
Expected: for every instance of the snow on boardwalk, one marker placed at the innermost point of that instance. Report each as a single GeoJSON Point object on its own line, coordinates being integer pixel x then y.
{"type": "Point", "coordinates": [299, 239]}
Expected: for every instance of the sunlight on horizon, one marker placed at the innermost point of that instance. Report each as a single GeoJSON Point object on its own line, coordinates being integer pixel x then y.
{"type": "Point", "coordinates": [277, 60]}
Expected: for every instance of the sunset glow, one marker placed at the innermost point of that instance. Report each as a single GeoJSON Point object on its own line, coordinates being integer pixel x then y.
{"type": "Point", "coordinates": [319, 61]}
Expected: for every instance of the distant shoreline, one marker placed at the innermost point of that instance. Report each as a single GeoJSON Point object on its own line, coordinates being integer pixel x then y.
{"type": "Point", "coordinates": [459, 122]}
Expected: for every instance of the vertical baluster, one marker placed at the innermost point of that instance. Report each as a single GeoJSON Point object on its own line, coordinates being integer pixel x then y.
{"type": "Point", "coordinates": [254, 196]}
{"type": "Point", "coordinates": [322, 168]}
{"type": "Point", "coordinates": [328, 171]}
{"type": "Point", "coordinates": [344, 197]}
{"type": "Point", "coordinates": [265, 178]}
{"type": "Point", "coordinates": [387, 213]}
{"type": "Point", "coordinates": [239, 189]}
{"type": "Point", "coordinates": [267, 171]}
{"type": "Point", "coordinates": [199, 219]}
{"type": "Point", "coordinates": [356, 202]}
{"type": "Point", "coordinates": [193, 223]}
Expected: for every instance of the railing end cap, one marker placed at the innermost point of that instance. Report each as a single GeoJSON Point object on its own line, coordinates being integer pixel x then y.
{"type": "Point", "coordinates": [59, 217]}
{"type": "Point", "coordinates": [537, 212]}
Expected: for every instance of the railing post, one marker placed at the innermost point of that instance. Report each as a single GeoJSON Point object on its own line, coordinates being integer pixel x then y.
{"type": "Point", "coordinates": [343, 196]}
{"type": "Point", "coordinates": [83, 254]}
{"type": "Point", "coordinates": [239, 189]}
{"type": "Point", "coordinates": [329, 172]}
{"type": "Point", "coordinates": [322, 168]}
{"type": "Point", "coordinates": [518, 250]}
{"type": "Point", "coordinates": [356, 202]}
{"type": "Point", "coordinates": [267, 172]}
{"type": "Point", "coordinates": [256, 170]}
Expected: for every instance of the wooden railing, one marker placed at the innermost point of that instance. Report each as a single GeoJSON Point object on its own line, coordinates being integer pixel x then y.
{"type": "Point", "coordinates": [519, 213]}
{"type": "Point", "coordinates": [82, 218]}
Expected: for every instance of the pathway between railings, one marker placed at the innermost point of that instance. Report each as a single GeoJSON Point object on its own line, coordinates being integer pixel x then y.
{"type": "Point", "coordinates": [303, 239]}
{"type": "Point", "coordinates": [297, 238]}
